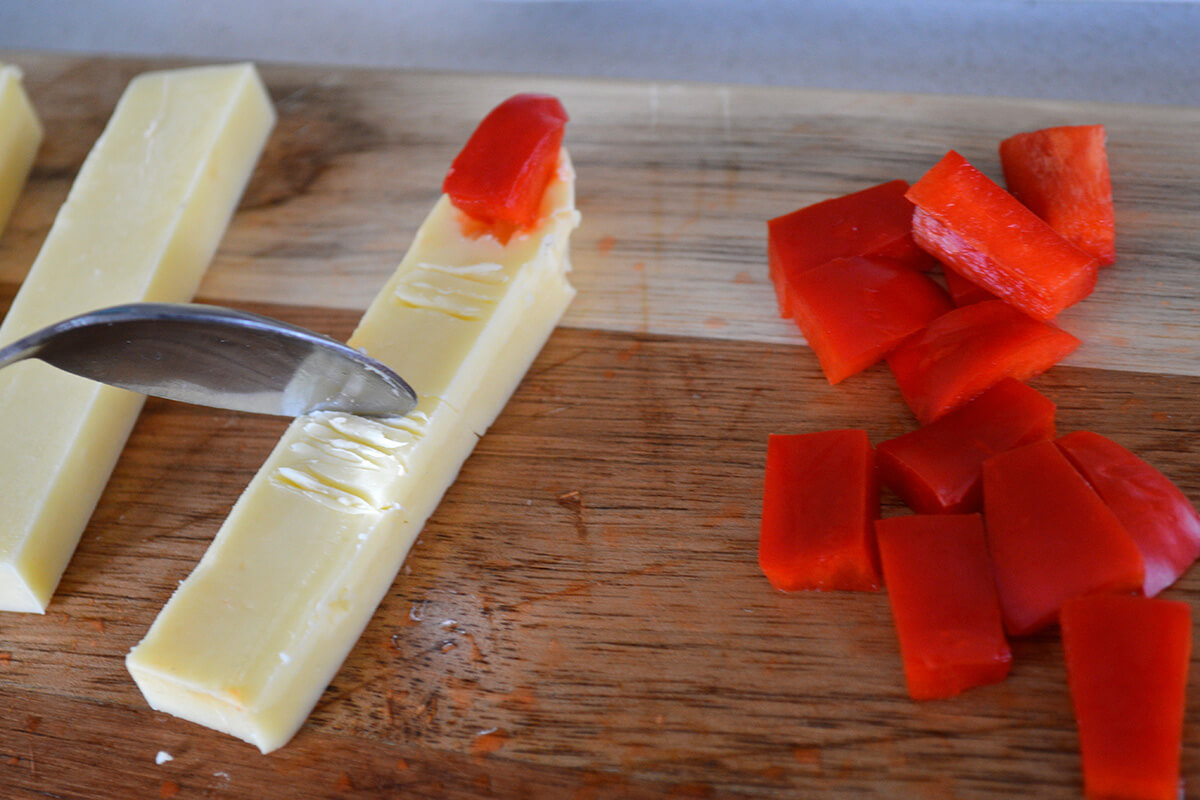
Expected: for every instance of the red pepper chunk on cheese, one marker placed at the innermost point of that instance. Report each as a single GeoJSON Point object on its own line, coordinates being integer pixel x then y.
{"type": "Point", "coordinates": [1051, 537]}
{"type": "Point", "coordinates": [819, 503]}
{"type": "Point", "coordinates": [943, 599]}
{"type": "Point", "coordinates": [1061, 174]}
{"type": "Point", "coordinates": [1127, 665]}
{"type": "Point", "coordinates": [1162, 521]}
{"type": "Point", "coordinates": [973, 226]}
{"type": "Point", "coordinates": [853, 311]}
{"type": "Point", "coordinates": [502, 172]}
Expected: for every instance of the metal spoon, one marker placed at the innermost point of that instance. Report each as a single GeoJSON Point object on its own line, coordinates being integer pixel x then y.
{"type": "Point", "coordinates": [217, 357]}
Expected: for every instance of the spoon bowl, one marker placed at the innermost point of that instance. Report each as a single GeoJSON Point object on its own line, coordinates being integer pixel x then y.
{"type": "Point", "coordinates": [217, 357]}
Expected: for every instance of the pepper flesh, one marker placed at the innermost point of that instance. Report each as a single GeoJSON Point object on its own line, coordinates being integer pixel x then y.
{"type": "Point", "coordinates": [853, 311]}
{"type": "Point", "coordinates": [501, 174]}
{"type": "Point", "coordinates": [973, 226]}
{"type": "Point", "coordinates": [873, 222]}
{"type": "Point", "coordinates": [819, 502]}
{"type": "Point", "coordinates": [962, 291]}
{"type": "Point", "coordinates": [1051, 537]}
{"type": "Point", "coordinates": [968, 350]}
{"type": "Point", "coordinates": [938, 469]}
{"type": "Point", "coordinates": [1127, 664]}
{"type": "Point", "coordinates": [944, 603]}
{"type": "Point", "coordinates": [1061, 174]}
{"type": "Point", "coordinates": [1162, 521]}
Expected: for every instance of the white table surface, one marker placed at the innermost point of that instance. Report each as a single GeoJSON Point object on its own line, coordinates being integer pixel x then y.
{"type": "Point", "coordinates": [1145, 52]}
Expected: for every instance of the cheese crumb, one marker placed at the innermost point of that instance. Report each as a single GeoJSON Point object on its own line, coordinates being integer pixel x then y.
{"type": "Point", "coordinates": [163, 757]}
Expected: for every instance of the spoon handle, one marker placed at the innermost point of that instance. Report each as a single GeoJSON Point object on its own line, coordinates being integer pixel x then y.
{"type": "Point", "coordinates": [20, 350]}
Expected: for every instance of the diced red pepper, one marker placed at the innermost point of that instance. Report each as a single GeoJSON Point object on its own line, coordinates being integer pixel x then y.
{"type": "Point", "coordinates": [975, 227]}
{"type": "Point", "coordinates": [1061, 174]}
{"type": "Point", "coordinates": [1051, 536]}
{"type": "Point", "coordinates": [938, 469]}
{"type": "Point", "coordinates": [970, 349]}
{"type": "Point", "coordinates": [1162, 521]}
{"type": "Point", "coordinates": [875, 221]}
{"type": "Point", "coordinates": [853, 311]}
{"type": "Point", "coordinates": [944, 603]}
{"type": "Point", "coordinates": [502, 173]}
{"type": "Point", "coordinates": [962, 291]}
{"type": "Point", "coordinates": [819, 503]}
{"type": "Point", "coordinates": [1127, 665]}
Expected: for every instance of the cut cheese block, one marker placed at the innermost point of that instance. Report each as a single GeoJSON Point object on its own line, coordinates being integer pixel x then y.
{"type": "Point", "coordinates": [249, 641]}
{"type": "Point", "coordinates": [141, 223]}
{"type": "Point", "coordinates": [20, 135]}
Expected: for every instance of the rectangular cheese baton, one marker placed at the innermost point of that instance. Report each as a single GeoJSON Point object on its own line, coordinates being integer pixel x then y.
{"type": "Point", "coordinates": [141, 222]}
{"type": "Point", "coordinates": [20, 135]}
{"type": "Point", "coordinates": [249, 641]}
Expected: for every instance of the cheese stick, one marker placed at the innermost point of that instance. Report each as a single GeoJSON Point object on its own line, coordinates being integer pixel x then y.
{"type": "Point", "coordinates": [20, 135]}
{"type": "Point", "coordinates": [249, 641]}
{"type": "Point", "coordinates": [141, 222]}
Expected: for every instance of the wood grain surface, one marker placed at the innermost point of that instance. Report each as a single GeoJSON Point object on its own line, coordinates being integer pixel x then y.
{"type": "Point", "coordinates": [583, 616]}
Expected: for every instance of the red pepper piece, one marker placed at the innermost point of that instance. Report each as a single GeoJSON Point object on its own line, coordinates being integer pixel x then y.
{"type": "Point", "coordinates": [1163, 523]}
{"type": "Point", "coordinates": [1061, 174]}
{"type": "Point", "coordinates": [875, 221]}
{"type": "Point", "coordinates": [820, 500]}
{"type": "Point", "coordinates": [970, 349]}
{"type": "Point", "coordinates": [975, 227]}
{"type": "Point", "coordinates": [938, 469]}
{"type": "Point", "coordinates": [1127, 664]}
{"type": "Point", "coordinates": [853, 311]}
{"type": "Point", "coordinates": [503, 171]}
{"type": "Point", "coordinates": [1051, 537]}
{"type": "Point", "coordinates": [962, 291]}
{"type": "Point", "coordinates": [944, 603]}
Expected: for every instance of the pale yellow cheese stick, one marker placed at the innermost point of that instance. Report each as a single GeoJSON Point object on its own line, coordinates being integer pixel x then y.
{"type": "Point", "coordinates": [20, 135]}
{"type": "Point", "coordinates": [249, 641]}
{"type": "Point", "coordinates": [141, 222]}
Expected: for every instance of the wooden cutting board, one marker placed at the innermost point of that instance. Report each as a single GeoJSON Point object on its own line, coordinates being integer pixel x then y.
{"type": "Point", "coordinates": [583, 616]}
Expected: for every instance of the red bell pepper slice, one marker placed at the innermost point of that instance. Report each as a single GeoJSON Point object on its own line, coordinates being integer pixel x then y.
{"type": "Point", "coordinates": [962, 291]}
{"type": "Point", "coordinates": [975, 227]}
{"type": "Point", "coordinates": [944, 603]}
{"type": "Point", "coordinates": [1127, 665]}
{"type": "Point", "coordinates": [504, 168]}
{"type": "Point", "coordinates": [1051, 536]}
{"type": "Point", "coordinates": [853, 311]}
{"type": "Point", "coordinates": [938, 469]}
{"type": "Point", "coordinates": [820, 500]}
{"type": "Point", "coordinates": [1061, 174]}
{"type": "Point", "coordinates": [1162, 521]}
{"type": "Point", "coordinates": [970, 349]}
{"type": "Point", "coordinates": [875, 221]}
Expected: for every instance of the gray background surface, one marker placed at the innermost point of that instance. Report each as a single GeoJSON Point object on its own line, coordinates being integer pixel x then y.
{"type": "Point", "coordinates": [1142, 52]}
